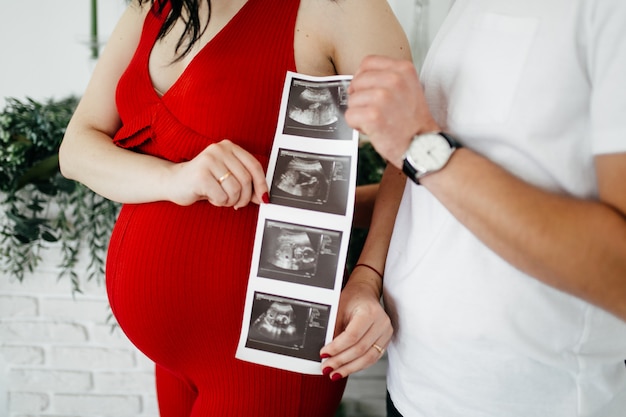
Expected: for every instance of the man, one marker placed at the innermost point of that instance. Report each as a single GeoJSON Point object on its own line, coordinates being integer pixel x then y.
{"type": "Point", "coordinates": [505, 274]}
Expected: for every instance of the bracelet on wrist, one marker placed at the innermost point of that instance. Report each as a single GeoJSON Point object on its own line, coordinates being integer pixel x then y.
{"type": "Point", "coordinates": [369, 267]}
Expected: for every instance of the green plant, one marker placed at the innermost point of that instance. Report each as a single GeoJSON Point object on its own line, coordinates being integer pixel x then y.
{"type": "Point", "coordinates": [370, 165]}
{"type": "Point", "coordinates": [40, 206]}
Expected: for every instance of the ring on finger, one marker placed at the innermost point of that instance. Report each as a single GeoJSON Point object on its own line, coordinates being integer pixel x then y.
{"type": "Point", "coordinates": [224, 177]}
{"type": "Point", "coordinates": [380, 350]}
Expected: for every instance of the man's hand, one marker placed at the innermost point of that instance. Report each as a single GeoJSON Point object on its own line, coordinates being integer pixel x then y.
{"type": "Point", "coordinates": [387, 105]}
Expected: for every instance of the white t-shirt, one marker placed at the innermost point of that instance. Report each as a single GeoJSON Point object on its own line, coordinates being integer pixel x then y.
{"type": "Point", "coordinates": [539, 87]}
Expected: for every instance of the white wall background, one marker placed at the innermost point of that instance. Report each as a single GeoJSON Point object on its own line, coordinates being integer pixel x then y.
{"type": "Point", "coordinates": [61, 357]}
{"type": "Point", "coordinates": [58, 355]}
{"type": "Point", "coordinates": [43, 45]}
{"type": "Point", "coordinates": [44, 52]}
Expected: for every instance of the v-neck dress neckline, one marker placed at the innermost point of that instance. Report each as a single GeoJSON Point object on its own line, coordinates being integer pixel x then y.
{"type": "Point", "coordinates": [230, 89]}
{"type": "Point", "coordinates": [222, 33]}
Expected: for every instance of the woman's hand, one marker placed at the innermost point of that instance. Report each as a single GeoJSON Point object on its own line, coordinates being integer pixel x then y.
{"type": "Point", "coordinates": [363, 326]}
{"type": "Point", "coordinates": [224, 174]}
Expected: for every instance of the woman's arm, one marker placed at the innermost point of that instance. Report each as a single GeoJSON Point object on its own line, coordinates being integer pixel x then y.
{"type": "Point", "coordinates": [362, 320]}
{"type": "Point", "coordinates": [364, 199]}
{"type": "Point", "coordinates": [88, 154]}
{"type": "Point", "coordinates": [575, 245]}
{"type": "Point", "coordinates": [345, 32]}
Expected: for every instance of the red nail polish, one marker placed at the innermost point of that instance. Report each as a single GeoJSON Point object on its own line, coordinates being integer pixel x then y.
{"type": "Point", "coordinates": [266, 198]}
{"type": "Point", "coordinates": [336, 377]}
{"type": "Point", "coordinates": [326, 371]}
{"type": "Point", "coordinates": [324, 356]}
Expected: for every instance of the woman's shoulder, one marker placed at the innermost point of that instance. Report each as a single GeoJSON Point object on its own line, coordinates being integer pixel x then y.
{"type": "Point", "coordinates": [348, 30]}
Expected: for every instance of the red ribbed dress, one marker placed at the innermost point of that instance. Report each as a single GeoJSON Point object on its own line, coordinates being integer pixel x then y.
{"type": "Point", "coordinates": [177, 276]}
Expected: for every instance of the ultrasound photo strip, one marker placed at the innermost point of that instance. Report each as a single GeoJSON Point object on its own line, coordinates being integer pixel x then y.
{"type": "Point", "coordinates": [302, 235]}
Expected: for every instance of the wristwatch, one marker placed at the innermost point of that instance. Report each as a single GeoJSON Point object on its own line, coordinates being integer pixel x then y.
{"type": "Point", "coordinates": [428, 153]}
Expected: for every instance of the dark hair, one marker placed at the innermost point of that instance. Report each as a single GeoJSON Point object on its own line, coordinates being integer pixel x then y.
{"type": "Point", "coordinates": [193, 27]}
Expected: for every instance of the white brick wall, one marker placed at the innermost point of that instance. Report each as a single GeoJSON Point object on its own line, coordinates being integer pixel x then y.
{"type": "Point", "coordinates": [59, 357]}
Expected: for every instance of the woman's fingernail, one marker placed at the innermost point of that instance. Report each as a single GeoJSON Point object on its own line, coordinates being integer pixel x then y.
{"type": "Point", "coordinates": [326, 371]}
{"type": "Point", "coordinates": [324, 356]}
{"type": "Point", "coordinates": [336, 377]}
{"type": "Point", "coordinates": [266, 198]}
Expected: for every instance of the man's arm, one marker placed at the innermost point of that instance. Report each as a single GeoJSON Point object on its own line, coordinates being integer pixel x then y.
{"type": "Point", "coordinates": [575, 245]}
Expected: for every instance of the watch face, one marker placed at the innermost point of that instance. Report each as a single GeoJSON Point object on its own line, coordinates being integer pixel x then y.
{"type": "Point", "coordinates": [429, 152]}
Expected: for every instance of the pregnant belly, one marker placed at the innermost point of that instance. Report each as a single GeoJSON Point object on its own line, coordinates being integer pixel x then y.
{"type": "Point", "coordinates": [176, 276]}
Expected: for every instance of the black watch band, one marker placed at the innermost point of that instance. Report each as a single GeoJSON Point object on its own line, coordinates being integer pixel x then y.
{"type": "Point", "coordinates": [409, 170]}
{"type": "Point", "coordinates": [453, 142]}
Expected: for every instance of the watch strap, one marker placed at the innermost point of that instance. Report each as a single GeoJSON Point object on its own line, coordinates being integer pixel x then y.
{"type": "Point", "coordinates": [409, 170]}
{"type": "Point", "coordinates": [451, 140]}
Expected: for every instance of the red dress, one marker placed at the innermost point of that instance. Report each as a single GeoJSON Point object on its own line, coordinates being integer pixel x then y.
{"type": "Point", "coordinates": [177, 276]}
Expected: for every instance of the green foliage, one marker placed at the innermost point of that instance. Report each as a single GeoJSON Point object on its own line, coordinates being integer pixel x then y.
{"type": "Point", "coordinates": [30, 133]}
{"type": "Point", "coordinates": [370, 166]}
{"type": "Point", "coordinates": [40, 206]}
